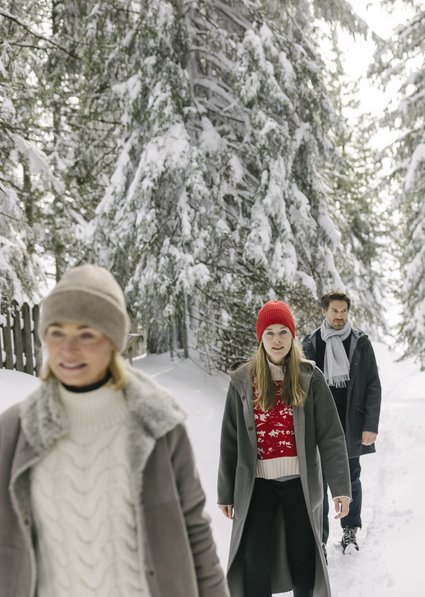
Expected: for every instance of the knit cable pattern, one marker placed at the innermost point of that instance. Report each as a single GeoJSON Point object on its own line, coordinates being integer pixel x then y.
{"type": "Point", "coordinates": [87, 538]}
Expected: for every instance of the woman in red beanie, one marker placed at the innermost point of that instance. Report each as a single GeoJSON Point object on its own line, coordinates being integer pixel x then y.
{"type": "Point", "coordinates": [280, 428]}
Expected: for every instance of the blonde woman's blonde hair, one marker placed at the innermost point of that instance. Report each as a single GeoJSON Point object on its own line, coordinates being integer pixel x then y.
{"type": "Point", "coordinates": [292, 392]}
{"type": "Point", "coordinates": [117, 367]}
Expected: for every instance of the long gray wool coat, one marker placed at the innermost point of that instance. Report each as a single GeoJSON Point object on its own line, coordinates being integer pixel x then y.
{"type": "Point", "coordinates": [363, 390]}
{"type": "Point", "coordinates": [179, 552]}
{"type": "Point", "coordinates": [320, 442]}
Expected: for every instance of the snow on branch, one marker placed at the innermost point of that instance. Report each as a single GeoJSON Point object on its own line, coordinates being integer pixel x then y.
{"type": "Point", "coordinates": [37, 160]}
{"type": "Point", "coordinates": [417, 158]}
{"type": "Point", "coordinates": [212, 85]}
{"type": "Point", "coordinates": [237, 18]}
{"type": "Point", "coordinates": [218, 59]}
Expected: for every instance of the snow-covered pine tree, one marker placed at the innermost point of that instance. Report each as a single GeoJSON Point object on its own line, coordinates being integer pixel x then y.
{"type": "Point", "coordinates": [219, 198]}
{"type": "Point", "coordinates": [61, 92]}
{"type": "Point", "coordinates": [361, 215]}
{"type": "Point", "coordinates": [25, 174]}
{"type": "Point", "coordinates": [401, 59]}
{"type": "Point", "coordinates": [145, 227]}
{"type": "Point", "coordinates": [82, 110]}
{"type": "Point", "coordinates": [19, 269]}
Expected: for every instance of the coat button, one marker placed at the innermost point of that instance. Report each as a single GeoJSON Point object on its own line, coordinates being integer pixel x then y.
{"type": "Point", "coordinates": [250, 428]}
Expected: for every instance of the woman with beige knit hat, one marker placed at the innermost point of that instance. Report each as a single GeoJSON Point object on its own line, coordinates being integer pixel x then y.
{"type": "Point", "coordinates": [99, 495]}
{"type": "Point", "coordinates": [280, 426]}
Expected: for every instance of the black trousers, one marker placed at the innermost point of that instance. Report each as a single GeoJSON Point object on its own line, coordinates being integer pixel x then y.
{"type": "Point", "coordinates": [353, 518]}
{"type": "Point", "coordinates": [267, 497]}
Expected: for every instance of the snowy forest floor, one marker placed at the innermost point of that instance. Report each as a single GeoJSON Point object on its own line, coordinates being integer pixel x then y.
{"type": "Point", "coordinates": [389, 561]}
{"type": "Point", "coordinates": [391, 540]}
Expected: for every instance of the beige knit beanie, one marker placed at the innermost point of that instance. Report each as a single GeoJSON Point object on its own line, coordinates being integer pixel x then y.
{"type": "Point", "coordinates": [88, 294]}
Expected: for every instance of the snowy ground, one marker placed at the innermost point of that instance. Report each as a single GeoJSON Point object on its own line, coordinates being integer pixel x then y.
{"type": "Point", "coordinates": [388, 564]}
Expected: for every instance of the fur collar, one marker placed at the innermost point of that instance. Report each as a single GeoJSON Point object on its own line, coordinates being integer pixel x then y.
{"type": "Point", "coordinates": [151, 407]}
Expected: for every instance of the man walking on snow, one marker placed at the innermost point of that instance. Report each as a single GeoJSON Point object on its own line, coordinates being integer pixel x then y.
{"type": "Point", "coordinates": [346, 357]}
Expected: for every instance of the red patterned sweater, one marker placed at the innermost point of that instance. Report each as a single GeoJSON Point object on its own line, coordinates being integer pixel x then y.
{"type": "Point", "coordinates": [276, 447]}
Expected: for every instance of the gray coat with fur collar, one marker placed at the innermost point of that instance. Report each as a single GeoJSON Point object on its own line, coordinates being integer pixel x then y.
{"type": "Point", "coordinates": [179, 551]}
{"type": "Point", "coordinates": [320, 443]}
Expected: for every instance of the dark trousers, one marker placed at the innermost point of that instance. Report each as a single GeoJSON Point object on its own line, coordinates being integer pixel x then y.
{"type": "Point", "coordinates": [353, 518]}
{"type": "Point", "coordinates": [267, 497]}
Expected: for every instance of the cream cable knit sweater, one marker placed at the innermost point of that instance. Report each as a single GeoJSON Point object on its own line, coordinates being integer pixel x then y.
{"type": "Point", "coordinates": [87, 543]}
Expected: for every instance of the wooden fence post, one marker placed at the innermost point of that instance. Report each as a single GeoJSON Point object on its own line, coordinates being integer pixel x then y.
{"type": "Point", "coordinates": [17, 340]}
{"type": "Point", "coordinates": [27, 335]}
{"type": "Point", "coordinates": [1, 347]}
{"type": "Point", "coordinates": [19, 343]}
{"type": "Point", "coordinates": [8, 346]}
{"type": "Point", "coordinates": [36, 339]}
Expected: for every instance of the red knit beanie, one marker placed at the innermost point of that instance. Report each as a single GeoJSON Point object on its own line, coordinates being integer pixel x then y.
{"type": "Point", "coordinates": [274, 312]}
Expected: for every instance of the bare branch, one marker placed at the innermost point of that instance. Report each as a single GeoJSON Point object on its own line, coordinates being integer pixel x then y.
{"type": "Point", "coordinates": [20, 23]}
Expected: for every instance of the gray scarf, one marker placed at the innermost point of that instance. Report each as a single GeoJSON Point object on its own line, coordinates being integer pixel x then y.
{"type": "Point", "coordinates": [336, 365]}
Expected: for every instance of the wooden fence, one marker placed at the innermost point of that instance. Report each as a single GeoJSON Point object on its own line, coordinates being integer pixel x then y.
{"type": "Point", "coordinates": [19, 344]}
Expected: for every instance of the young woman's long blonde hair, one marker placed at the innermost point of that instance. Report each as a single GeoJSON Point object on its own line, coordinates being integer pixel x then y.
{"type": "Point", "coordinates": [292, 392]}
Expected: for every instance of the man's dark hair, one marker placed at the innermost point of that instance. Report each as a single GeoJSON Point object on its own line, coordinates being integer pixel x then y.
{"type": "Point", "coordinates": [334, 295]}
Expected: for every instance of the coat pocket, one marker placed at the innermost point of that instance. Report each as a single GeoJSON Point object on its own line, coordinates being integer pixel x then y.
{"type": "Point", "coordinates": [242, 491]}
{"type": "Point", "coordinates": [315, 485]}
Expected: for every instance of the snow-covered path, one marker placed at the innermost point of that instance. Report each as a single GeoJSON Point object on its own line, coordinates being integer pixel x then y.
{"type": "Point", "coordinates": [389, 563]}
{"type": "Point", "coordinates": [390, 557]}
